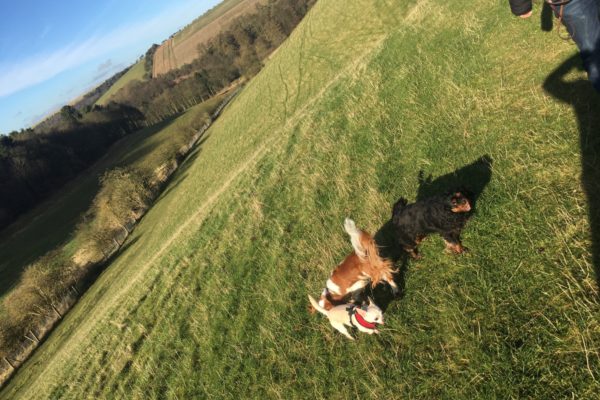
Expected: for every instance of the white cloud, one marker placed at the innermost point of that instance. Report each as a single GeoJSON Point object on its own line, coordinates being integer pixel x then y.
{"type": "Point", "coordinates": [39, 68]}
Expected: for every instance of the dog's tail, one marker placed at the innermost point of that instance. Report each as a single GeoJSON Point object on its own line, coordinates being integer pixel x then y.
{"type": "Point", "coordinates": [399, 206]}
{"type": "Point", "coordinates": [366, 248]}
{"type": "Point", "coordinates": [317, 306]}
{"type": "Point", "coordinates": [380, 268]}
{"type": "Point", "coordinates": [355, 237]}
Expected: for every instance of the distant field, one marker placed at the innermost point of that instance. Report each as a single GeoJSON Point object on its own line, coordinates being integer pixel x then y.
{"type": "Point", "coordinates": [52, 223]}
{"type": "Point", "coordinates": [208, 301]}
{"type": "Point", "coordinates": [182, 48]}
{"type": "Point", "coordinates": [211, 15]}
{"type": "Point", "coordinates": [135, 73]}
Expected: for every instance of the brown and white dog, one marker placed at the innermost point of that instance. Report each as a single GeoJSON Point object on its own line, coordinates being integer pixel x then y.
{"type": "Point", "coordinates": [361, 267]}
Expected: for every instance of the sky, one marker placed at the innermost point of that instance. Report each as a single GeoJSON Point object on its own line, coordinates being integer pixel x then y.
{"type": "Point", "coordinates": [51, 52]}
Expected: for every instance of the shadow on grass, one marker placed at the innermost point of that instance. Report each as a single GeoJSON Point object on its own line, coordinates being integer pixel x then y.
{"type": "Point", "coordinates": [95, 272]}
{"type": "Point", "coordinates": [385, 238]}
{"type": "Point", "coordinates": [586, 104]}
{"type": "Point", "coordinates": [142, 151]}
{"type": "Point", "coordinates": [474, 177]}
{"type": "Point", "coordinates": [182, 170]}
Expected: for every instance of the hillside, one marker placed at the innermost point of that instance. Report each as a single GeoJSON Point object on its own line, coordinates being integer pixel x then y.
{"type": "Point", "coordinates": [362, 104]}
{"type": "Point", "coordinates": [85, 101]}
{"type": "Point", "coordinates": [135, 72]}
{"type": "Point", "coordinates": [52, 223]}
{"type": "Point", "coordinates": [181, 48]}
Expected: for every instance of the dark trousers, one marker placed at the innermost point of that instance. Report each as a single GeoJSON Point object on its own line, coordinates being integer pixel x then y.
{"type": "Point", "coordinates": [582, 19]}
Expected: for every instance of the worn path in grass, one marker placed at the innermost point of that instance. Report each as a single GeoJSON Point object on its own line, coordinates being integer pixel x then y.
{"type": "Point", "coordinates": [366, 102]}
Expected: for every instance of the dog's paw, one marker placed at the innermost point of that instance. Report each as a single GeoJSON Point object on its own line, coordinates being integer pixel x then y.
{"type": "Point", "coordinates": [459, 249]}
{"type": "Point", "coordinates": [455, 248]}
{"type": "Point", "coordinates": [414, 254]}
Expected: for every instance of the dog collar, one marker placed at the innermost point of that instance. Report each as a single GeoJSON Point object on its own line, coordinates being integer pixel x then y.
{"type": "Point", "coordinates": [360, 320]}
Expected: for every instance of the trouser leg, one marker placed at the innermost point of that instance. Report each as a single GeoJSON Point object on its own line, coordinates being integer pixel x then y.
{"type": "Point", "coordinates": [582, 19]}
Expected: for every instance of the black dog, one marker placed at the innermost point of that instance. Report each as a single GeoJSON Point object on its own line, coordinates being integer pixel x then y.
{"type": "Point", "coordinates": [446, 215]}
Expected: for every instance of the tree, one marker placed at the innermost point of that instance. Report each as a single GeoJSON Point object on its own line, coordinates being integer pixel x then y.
{"type": "Point", "coordinates": [6, 141]}
{"type": "Point", "coordinates": [123, 196]}
{"type": "Point", "coordinates": [9, 339]}
{"type": "Point", "coordinates": [70, 114]}
{"type": "Point", "coordinates": [149, 61]}
{"type": "Point", "coordinates": [43, 286]}
{"type": "Point", "coordinates": [95, 237]}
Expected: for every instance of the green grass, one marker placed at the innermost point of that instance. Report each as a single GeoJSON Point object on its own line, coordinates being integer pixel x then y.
{"type": "Point", "coordinates": [136, 72]}
{"type": "Point", "coordinates": [209, 299]}
{"type": "Point", "coordinates": [53, 222]}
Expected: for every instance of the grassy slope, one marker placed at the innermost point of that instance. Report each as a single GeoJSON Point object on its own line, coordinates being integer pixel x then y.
{"type": "Point", "coordinates": [209, 300]}
{"type": "Point", "coordinates": [52, 223]}
{"type": "Point", "coordinates": [136, 72]}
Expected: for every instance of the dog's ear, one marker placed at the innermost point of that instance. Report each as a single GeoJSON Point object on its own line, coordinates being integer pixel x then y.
{"type": "Point", "coordinates": [370, 301]}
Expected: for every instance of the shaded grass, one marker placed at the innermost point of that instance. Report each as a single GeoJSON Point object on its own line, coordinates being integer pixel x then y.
{"type": "Point", "coordinates": [210, 300]}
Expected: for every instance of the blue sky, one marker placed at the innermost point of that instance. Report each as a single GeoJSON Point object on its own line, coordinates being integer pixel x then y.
{"type": "Point", "coordinates": [53, 51]}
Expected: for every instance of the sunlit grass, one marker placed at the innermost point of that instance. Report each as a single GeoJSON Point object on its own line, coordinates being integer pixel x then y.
{"type": "Point", "coordinates": [209, 299]}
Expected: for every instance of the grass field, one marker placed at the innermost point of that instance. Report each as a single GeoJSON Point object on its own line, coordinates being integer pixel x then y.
{"type": "Point", "coordinates": [53, 222]}
{"type": "Point", "coordinates": [209, 298]}
{"type": "Point", "coordinates": [136, 72]}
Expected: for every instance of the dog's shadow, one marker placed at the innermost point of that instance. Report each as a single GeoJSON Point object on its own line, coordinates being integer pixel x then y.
{"type": "Point", "coordinates": [473, 177]}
